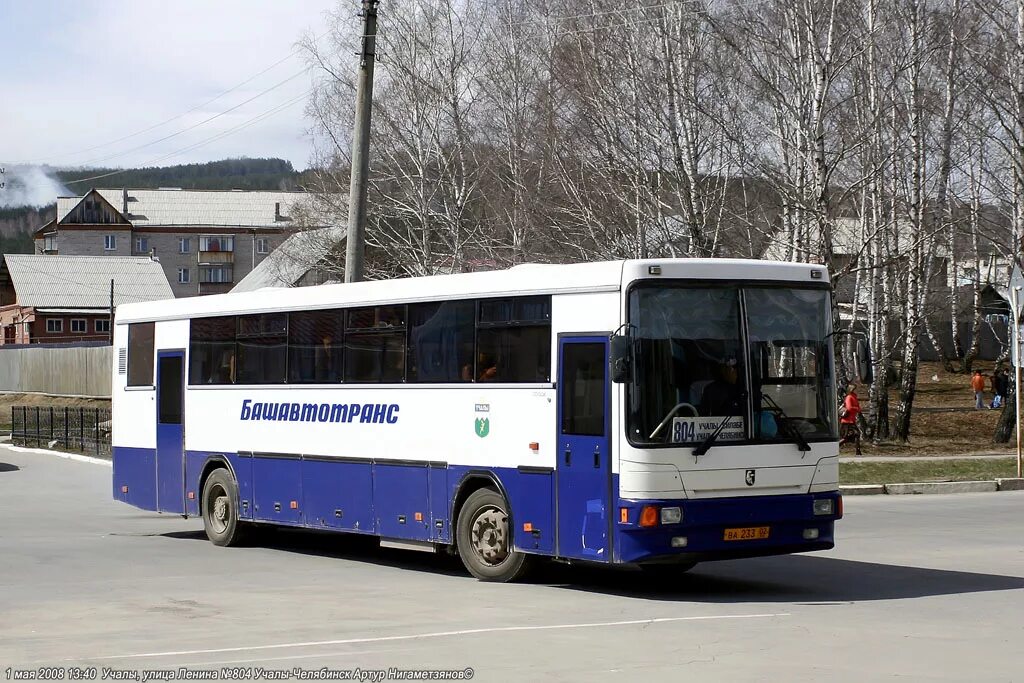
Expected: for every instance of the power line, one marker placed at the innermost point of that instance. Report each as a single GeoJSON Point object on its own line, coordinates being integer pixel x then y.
{"type": "Point", "coordinates": [200, 123]}
{"type": "Point", "coordinates": [201, 143]}
{"type": "Point", "coordinates": [230, 90]}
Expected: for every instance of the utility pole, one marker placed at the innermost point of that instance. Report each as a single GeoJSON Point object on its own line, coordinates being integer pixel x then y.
{"type": "Point", "coordinates": [111, 312]}
{"type": "Point", "coordinates": [355, 239]}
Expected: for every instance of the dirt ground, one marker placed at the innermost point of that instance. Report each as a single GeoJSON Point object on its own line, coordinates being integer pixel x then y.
{"type": "Point", "coordinates": [944, 421]}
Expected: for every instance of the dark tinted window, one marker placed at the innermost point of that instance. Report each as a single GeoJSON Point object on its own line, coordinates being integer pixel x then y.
{"type": "Point", "coordinates": [212, 351]}
{"type": "Point", "coordinates": [514, 340]}
{"type": "Point", "coordinates": [141, 338]}
{"type": "Point", "coordinates": [514, 354]}
{"type": "Point", "coordinates": [518, 310]}
{"type": "Point", "coordinates": [315, 346]}
{"type": "Point", "coordinates": [376, 318]}
{"type": "Point", "coordinates": [262, 348]}
{"type": "Point", "coordinates": [375, 344]}
{"type": "Point", "coordinates": [441, 342]}
{"type": "Point", "coordinates": [169, 395]}
{"type": "Point", "coordinates": [583, 402]}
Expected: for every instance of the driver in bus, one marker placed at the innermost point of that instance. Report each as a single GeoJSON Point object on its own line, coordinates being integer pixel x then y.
{"type": "Point", "coordinates": [721, 397]}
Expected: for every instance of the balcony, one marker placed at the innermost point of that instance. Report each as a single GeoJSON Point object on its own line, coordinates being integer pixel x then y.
{"type": "Point", "coordinates": [213, 258]}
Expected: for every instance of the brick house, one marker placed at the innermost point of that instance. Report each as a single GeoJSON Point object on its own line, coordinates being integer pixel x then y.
{"type": "Point", "coordinates": [63, 299]}
{"type": "Point", "coordinates": [206, 240]}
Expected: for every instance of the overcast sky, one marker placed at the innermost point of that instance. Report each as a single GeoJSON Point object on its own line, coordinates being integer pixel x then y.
{"type": "Point", "coordinates": [75, 75]}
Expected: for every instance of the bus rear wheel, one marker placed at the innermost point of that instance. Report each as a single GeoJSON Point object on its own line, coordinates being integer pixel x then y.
{"type": "Point", "coordinates": [484, 538]}
{"type": "Point", "coordinates": [220, 509]}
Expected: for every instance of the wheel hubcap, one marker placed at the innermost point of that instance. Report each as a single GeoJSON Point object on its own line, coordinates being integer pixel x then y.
{"type": "Point", "coordinates": [220, 510]}
{"type": "Point", "coordinates": [490, 536]}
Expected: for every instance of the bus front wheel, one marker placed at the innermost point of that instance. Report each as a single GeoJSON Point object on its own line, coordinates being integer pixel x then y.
{"type": "Point", "coordinates": [484, 538]}
{"type": "Point", "coordinates": [220, 513]}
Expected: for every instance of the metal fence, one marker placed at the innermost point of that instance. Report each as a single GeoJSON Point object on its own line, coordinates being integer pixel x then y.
{"type": "Point", "coordinates": [82, 430]}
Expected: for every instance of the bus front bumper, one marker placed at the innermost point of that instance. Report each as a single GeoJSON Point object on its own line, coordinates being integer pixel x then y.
{"type": "Point", "coordinates": [724, 528]}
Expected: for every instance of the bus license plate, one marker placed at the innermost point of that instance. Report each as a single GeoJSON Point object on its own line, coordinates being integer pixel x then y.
{"type": "Point", "coordinates": [750, 533]}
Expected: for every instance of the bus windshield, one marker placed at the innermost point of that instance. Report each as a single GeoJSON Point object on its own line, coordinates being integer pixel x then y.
{"type": "Point", "coordinates": [750, 364]}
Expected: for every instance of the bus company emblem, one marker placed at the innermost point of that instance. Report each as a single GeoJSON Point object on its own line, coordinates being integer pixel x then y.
{"type": "Point", "coordinates": [750, 477]}
{"type": "Point", "coordinates": [483, 423]}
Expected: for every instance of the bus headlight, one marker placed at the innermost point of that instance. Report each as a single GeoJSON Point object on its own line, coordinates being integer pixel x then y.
{"type": "Point", "coordinates": [824, 507]}
{"type": "Point", "coordinates": [671, 515]}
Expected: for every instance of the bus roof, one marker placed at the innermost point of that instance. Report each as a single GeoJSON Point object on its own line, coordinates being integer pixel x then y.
{"type": "Point", "coordinates": [526, 279]}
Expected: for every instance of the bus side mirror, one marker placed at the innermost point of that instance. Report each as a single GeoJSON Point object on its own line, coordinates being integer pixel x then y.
{"type": "Point", "coordinates": [620, 358]}
{"type": "Point", "coordinates": [863, 365]}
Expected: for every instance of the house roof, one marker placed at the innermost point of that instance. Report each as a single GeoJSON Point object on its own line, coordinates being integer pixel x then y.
{"type": "Point", "coordinates": [167, 207]}
{"type": "Point", "coordinates": [296, 256]}
{"type": "Point", "coordinates": [83, 281]}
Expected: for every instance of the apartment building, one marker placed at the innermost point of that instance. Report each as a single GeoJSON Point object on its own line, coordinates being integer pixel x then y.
{"type": "Point", "coordinates": [205, 240]}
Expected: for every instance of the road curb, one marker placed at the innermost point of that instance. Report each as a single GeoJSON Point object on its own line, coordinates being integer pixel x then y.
{"type": "Point", "coordinates": [862, 489]}
{"type": "Point", "coordinates": [927, 487]}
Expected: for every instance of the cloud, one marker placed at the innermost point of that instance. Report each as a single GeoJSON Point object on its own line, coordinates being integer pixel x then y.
{"type": "Point", "coordinates": [64, 95]}
{"type": "Point", "coordinates": [29, 186]}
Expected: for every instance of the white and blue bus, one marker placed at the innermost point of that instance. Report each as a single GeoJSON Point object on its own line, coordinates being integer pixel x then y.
{"type": "Point", "coordinates": [648, 412]}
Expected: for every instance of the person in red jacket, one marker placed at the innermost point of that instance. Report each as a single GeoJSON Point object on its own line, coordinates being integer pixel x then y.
{"type": "Point", "coordinates": [978, 385]}
{"type": "Point", "coordinates": [848, 418]}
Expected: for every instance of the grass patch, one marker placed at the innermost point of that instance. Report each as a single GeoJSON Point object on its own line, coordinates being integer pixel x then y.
{"type": "Point", "coordinates": [966, 469]}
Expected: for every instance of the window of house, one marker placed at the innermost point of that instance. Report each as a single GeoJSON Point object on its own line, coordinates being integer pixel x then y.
{"type": "Point", "coordinates": [217, 243]}
{"type": "Point", "coordinates": [79, 325]}
{"type": "Point", "coordinates": [261, 245]}
{"type": "Point", "coordinates": [184, 276]}
{"type": "Point", "coordinates": [110, 242]}
{"type": "Point", "coordinates": [50, 242]}
{"type": "Point", "coordinates": [141, 338]}
{"type": "Point", "coordinates": [184, 245]}
{"type": "Point", "coordinates": [141, 245]}
{"type": "Point", "coordinates": [103, 325]}
{"type": "Point", "coordinates": [54, 325]}
{"type": "Point", "coordinates": [215, 274]}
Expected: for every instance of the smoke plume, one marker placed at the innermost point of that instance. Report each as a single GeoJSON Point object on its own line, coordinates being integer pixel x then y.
{"type": "Point", "coordinates": [25, 185]}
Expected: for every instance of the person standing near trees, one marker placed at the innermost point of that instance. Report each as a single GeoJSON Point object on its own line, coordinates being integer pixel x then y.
{"type": "Point", "coordinates": [978, 384]}
{"type": "Point", "coordinates": [848, 414]}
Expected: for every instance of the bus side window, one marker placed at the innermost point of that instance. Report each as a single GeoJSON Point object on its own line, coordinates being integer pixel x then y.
{"type": "Point", "coordinates": [212, 350]}
{"type": "Point", "coordinates": [315, 347]}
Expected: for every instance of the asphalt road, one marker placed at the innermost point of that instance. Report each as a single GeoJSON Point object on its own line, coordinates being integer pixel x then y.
{"type": "Point", "coordinates": [919, 588]}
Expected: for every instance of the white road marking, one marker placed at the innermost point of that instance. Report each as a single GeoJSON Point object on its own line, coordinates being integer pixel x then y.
{"type": "Point", "coordinates": [59, 454]}
{"type": "Point", "coordinates": [439, 634]}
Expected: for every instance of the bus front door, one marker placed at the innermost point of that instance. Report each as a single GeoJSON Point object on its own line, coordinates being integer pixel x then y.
{"type": "Point", "coordinates": [170, 435]}
{"type": "Point", "coordinates": [584, 462]}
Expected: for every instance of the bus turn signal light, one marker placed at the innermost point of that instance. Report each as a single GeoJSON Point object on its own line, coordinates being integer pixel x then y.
{"type": "Point", "coordinates": [624, 515]}
{"type": "Point", "coordinates": [534, 446]}
{"type": "Point", "coordinates": [649, 516]}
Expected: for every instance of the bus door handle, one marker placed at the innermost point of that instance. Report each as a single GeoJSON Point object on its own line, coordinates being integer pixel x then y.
{"type": "Point", "coordinates": [568, 456]}
{"type": "Point", "coordinates": [597, 458]}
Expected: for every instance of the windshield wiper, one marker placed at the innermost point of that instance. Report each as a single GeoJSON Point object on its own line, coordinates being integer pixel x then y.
{"type": "Point", "coordinates": [790, 427]}
{"type": "Point", "coordinates": [710, 440]}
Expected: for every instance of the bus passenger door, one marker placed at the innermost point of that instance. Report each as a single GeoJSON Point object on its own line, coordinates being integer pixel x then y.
{"type": "Point", "coordinates": [170, 434]}
{"type": "Point", "coordinates": [584, 466]}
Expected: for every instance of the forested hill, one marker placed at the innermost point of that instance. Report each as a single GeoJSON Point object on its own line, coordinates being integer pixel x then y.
{"type": "Point", "coordinates": [227, 174]}
{"type": "Point", "coordinates": [18, 223]}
